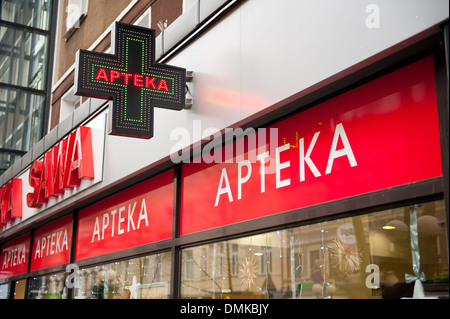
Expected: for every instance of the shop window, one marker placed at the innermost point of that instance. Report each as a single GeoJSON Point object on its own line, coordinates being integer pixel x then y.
{"type": "Point", "coordinates": [221, 260]}
{"type": "Point", "coordinates": [264, 259]}
{"type": "Point", "coordinates": [4, 291]}
{"type": "Point", "coordinates": [48, 287]}
{"type": "Point", "coordinates": [138, 278]}
{"type": "Point", "coordinates": [370, 256]}
{"type": "Point", "coordinates": [19, 289]}
{"type": "Point", "coordinates": [188, 264]}
{"type": "Point", "coordinates": [234, 260]}
{"type": "Point", "coordinates": [204, 260]}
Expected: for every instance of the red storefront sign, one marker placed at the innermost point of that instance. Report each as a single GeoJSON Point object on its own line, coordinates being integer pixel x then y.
{"type": "Point", "coordinates": [11, 201]}
{"type": "Point", "coordinates": [14, 257]}
{"type": "Point", "coordinates": [63, 167]}
{"type": "Point", "coordinates": [51, 244]}
{"type": "Point", "coordinates": [379, 135]}
{"type": "Point", "coordinates": [139, 215]}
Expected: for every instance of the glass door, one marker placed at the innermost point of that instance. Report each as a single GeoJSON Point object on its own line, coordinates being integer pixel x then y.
{"type": "Point", "coordinates": [18, 289]}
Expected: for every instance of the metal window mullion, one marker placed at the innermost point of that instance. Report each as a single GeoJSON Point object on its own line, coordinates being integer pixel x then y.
{"type": "Point", "coordinates": [35, 5]}
{"type": "Point", "coordinates": [5, 127]}
{"type": "Point", "coordinates": [14, 128]}
{"type": "Point", "coordinates": [8, 94]}
{"type": "Point", "coordinates": [20, 70]}
{"type": "Point", "coordinates": [22, 88]}
{"type": "Point", "coordinates": [27, 121]}
{"type": "Point", "coordinates": [175, 250]}
{"type": "Point", "coordinates": [33, 59]}
{"type": "Point", "coordinates": [18, 6]}
{"type": "Point", "coordinates": [23, 26]}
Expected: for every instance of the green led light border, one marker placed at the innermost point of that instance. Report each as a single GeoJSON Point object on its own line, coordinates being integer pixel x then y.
{"type": "Point", "coordinates": [158, 85]}
{"type": "Point", "coordinates": [172, 92]}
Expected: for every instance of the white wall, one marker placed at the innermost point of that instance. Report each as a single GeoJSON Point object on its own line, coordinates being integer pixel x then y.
{"type": "Point", "coordinates": [265, 51]}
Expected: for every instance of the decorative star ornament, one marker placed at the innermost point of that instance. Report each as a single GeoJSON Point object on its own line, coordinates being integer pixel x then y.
{"type": "Point", "coordinates": [345, 257]}
{"type": "Point", "coordinates": [134, 288]}
{"type": "Point", "coordinates": [248, 273]}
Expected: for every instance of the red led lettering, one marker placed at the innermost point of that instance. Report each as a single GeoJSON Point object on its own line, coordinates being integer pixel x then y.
{"type": "Point", "coordinates": [138, 79]}
{"type": "Point", "coordinates": [113, 74]}
{"type": "Point", "coordinates": [163, 85]}
{"type": "Point", "coordinates": [150, 82]}
{"type": "Point", "coordinates": [126, 76]}
{"type": "Point", "coordinates": [102, 75]}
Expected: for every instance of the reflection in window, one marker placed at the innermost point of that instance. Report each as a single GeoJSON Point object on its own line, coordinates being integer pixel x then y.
{"type": "Point", "coordinates": [189, 264]}
{"type": "Point", "coordinates": [359, 257]}
{"type": "Point", "coordinates": [4, 291]}
{"type": "Point", "coordinates": [48, 287]}
{"type": "Point", "coordinates": [26, 59]}
{"type": "Point", "coordinates": [20, 115]}
{"type": "Point", "coordinates": [138, 278]}
{"type": "Point", "coordinates": [34, 13]}
{"type": "Point", "coordinates": [24, 55]}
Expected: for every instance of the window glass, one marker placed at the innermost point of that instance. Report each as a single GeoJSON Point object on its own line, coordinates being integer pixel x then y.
{"type": "Point", "coordinates": [24, 57]}
{"type": "Point", "coordinates": [138, 278]}
{"type": "Point", "coordinates": [32, 13]}
{"type": "Point", "coordinates": [19, 289]}
{"type": "Point", "coordinates": [48, 287]}
{"type": "Point", "coordinates": [361, 257]}
{"type": "Point", "coordinates": [4, 291]}
{"type": "Point", "coordinates": [24, 51]}
{"type": "Point", "coordinates": [20, 119]}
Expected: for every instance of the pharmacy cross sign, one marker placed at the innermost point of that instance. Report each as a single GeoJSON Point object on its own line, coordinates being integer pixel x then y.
{"type": "Point", "coordinates": [131, 79]}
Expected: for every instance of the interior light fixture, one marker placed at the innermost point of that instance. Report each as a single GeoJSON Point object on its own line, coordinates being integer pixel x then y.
{"type": "Point", "coordinates": [388, 227]}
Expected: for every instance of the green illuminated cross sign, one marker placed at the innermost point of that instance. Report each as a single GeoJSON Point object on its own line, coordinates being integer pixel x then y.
{"type": "Point", "coordinates": [131, 79]}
